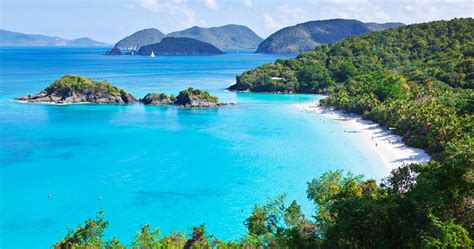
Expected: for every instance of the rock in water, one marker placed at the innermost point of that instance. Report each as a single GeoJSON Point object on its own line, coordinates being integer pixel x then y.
{"type": "Point", "coordinates": [196, 98]}
{"type": "Point", "coordinates": [193, 98]}
{"type": "Point", "coordinates": [73, 89]}
{"type": "Point", "coordinates": [157, 99]}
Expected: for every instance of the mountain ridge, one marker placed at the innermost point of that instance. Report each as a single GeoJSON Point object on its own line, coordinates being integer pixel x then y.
{"type": "Point", "coordinates": [306, 36]}
{"type": "Point", "coordinates": [230, 36]}
{"type": "Point", "coordinates": [179, 46]}
{"type": "Point", "coordinates": [11, 38]}
{"type": "Point", "coordinates": [140, 38]}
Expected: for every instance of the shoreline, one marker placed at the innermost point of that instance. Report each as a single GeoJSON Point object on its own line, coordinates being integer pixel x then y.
{"type": "Point", "coordinates": [388, 146]}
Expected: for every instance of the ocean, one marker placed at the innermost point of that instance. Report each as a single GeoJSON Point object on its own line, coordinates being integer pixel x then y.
{"type": "Point", "coordinates": [172, 168]}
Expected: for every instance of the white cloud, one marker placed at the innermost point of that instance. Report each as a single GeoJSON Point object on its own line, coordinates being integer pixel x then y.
{"type": "Point", "coordinates": [248, 3]}
{"type": "Point", "coordinates": [287, 16]}
{"type": "Point", "coordinates": [407, 11]}
{"type": "Point", "coordinates": [212, 4]}
{"type": "Point", "coordinates": [177, 11]}
{"type": "Point", "coordinates": [294, 14]}
{"type": "Point", "coordinates": [270, 22]}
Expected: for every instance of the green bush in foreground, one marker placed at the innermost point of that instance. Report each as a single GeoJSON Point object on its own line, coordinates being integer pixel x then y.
{"type": "Point", "coordinates": [350, 212]}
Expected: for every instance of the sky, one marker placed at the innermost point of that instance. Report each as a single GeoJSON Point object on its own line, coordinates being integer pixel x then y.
{"type": "Point", "coordinates": [111, 20]}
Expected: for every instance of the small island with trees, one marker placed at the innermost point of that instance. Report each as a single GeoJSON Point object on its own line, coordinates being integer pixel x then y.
{"type": "Point", "coordinates": [76, 89]}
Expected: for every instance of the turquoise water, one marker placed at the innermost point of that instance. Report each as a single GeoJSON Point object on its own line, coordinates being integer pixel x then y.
{"type": "Point", "coordinates": [170, 167]}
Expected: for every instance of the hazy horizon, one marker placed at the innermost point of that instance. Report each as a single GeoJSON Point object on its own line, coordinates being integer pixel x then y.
{"type": "Point", "coordinates": [117, 19]}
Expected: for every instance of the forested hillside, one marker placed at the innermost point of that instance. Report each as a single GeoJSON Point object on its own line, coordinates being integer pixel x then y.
{"type": "Point", "coordinates": [224, 37]}
{"type": "Point", "coordinates": [306, 36]}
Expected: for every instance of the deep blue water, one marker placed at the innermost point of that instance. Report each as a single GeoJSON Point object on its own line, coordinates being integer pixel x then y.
{"type": "Point", "coordinates": [170, 167]}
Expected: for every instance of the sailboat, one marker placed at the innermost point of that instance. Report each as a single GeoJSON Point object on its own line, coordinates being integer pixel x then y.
{"type": "Point", "coordinates": [152, 54]}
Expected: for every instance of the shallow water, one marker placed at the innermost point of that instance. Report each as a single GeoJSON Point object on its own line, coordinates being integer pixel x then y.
{"type": "Point", "coordinates": [170, 167]}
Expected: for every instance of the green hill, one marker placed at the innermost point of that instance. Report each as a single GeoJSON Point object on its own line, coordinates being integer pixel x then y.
{"type": "Point", "coordinates": [179, 46]}
{"type": "Point", "coordinates": [8, 38]}
{"type": "Point", "coordinates": [306, 36]}
{"type": "Point", "coordinates": [417, 80]}
{"type": "Point", "coordinates": [139, 39]}
{"type": "Point", "coordinates": [225, 37]}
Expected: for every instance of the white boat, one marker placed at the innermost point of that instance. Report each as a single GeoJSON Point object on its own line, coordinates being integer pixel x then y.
{"type": "Point", "coordinates": [152, 54]}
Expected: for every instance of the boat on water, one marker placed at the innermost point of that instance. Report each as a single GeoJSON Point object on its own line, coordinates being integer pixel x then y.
{"type": "Point", "coordinates": [152, 54]}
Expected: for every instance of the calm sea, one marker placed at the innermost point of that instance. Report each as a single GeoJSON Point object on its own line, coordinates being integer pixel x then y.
{"type": "Point", "coordinates": [170, 167]}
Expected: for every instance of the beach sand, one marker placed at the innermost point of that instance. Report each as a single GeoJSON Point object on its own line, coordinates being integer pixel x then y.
{"type": "Point", "coordinates": [388, 146]}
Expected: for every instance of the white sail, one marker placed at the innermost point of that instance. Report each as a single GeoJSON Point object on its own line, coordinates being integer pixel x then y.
{"type": "Point", "coordinates": [152, 54]}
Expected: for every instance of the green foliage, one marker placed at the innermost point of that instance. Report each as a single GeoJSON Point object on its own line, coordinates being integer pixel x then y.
{"type": "Point", "coordinates": [147, 238]}
{"type": "Point", "coordinates": [306, 36]}
{"type": "Point", "coordinates": [225, 37]}
{"type": "Point", "coordinates": [179, 46]}
{"type": "Point", "coordinates": [88, 235]}
{"type": "Point", "coordinates": [448, 235]}
{"type": "Point", "coordinates": [157, 98]}
{"type": "Point", "coordinates": [436, 51]}
{"type": "Point", "coordinates": [81, 83]}
{"type": "Point", "coordinates": [314, 78]}
{"type": "Point", "coordinates": [200, 94]}
{"type": "Point", "coordinates": [416, 79]}
{"type": "Point", "coordinates": [280, 226]}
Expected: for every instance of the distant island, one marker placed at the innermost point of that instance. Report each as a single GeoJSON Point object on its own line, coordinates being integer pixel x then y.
{"type": "Point", "coordinates": [306, 36]}
{"type": "Point", "coordinates": [74, 89]}
{"type": "Point", "coordinates": [139, 39]}
{"type": "Point", "coordinates": [9, 38]}
{"type": "Point", "coordinates": [114, 51]}
{"type": "Point", "coordinates": [179, 46]}
{"type": "Point", "coordinates": [225, 37]}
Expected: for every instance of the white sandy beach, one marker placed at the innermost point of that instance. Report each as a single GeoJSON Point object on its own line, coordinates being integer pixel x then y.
{"type": "Point", "coordinates": [388, 146]}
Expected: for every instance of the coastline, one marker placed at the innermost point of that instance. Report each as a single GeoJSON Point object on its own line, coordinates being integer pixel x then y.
{"type": "Point", "coordinates": [389, 147]}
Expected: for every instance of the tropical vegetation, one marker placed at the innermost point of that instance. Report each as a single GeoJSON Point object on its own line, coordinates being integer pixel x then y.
{"type": "Point", "coordinates": [417, 80]}
{"type": "Point", "coordinates": [179, 46]}
{"type": "Point", "coordinates": [78, 82]}
{"type": "Point", "coordinates": [184, 95]}
{"type": "Point", "coordinates": [306, 36]}
{"type": "Point", "coordinates": [225, 37]}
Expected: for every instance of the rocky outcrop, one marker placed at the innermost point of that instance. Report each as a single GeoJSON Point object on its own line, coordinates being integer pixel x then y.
{"type": "Point", "coordinates": [191, 98]}
{"type": "Point", "coordinates": [74, 89]}
{"type": "Point", "coordinates": [196, 98]}
{"type": "Point", "coordinates": [114, 51]}
{"type": "Point", "coordinates": [158, 99]}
